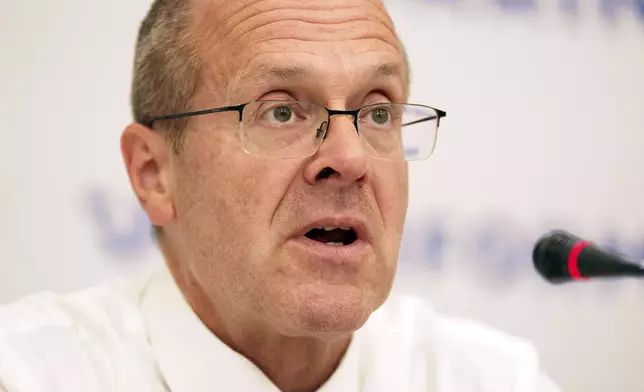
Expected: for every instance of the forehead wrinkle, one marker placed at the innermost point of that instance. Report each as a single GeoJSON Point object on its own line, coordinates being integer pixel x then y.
{"type": "Point", "coordinates": [323, 32]}
{"type": "Point", "coordinates": [214, 35]}
{"type": "Point", "coordinates": [232, 20]}
{"type": "Point", "coordinates": [245, 13]}
{"type": "Point", "coordinates": [264, 18]}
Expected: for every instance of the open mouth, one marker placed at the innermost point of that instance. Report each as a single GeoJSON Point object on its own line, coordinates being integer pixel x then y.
{"type": "Point", "coordinates": [334, 236]}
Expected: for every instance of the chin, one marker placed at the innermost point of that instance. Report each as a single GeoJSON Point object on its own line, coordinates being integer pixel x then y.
{"type": "Point", "coordinates": [330, 309]}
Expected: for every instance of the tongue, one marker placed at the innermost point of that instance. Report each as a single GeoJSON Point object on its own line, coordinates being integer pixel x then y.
{"type": "Point", "coordinates": [336, 235]}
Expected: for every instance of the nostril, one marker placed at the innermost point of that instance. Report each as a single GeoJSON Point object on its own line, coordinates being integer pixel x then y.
{"type": "Point", "coordinates": [325, 173]}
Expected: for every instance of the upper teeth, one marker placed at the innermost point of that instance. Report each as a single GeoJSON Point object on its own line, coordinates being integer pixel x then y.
{"type": "Point", "coordinates": [334, 228]}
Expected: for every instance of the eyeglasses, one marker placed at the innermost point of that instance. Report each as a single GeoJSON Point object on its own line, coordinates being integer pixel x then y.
{"type": "Point", "coordinates": [295, 129]}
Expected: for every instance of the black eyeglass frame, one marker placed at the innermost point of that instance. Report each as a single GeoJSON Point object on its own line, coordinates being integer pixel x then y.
{"type": "Point", "coordinates": [331, 112]}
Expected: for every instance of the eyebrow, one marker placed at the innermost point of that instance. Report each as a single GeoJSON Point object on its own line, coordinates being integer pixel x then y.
{"type": "Point", "coordinates": [289, 73]}
{"type": "Point", "coordinates": [388, 69]}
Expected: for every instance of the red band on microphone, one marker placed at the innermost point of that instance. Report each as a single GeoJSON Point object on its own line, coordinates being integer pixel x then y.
{"type": "Point", "coordinates": [573, 262]}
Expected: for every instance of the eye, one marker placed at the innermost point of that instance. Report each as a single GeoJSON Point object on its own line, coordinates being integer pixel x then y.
{"type": "Point", "coordinates": [380, 116]}
{"type": "Point", "coordinates": [273, 113]}
{"type": "Point", "coordinates": [282, 114]}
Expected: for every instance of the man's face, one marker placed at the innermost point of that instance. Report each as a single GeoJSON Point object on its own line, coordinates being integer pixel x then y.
{"type": "Point", "coordinates": [241, 220]}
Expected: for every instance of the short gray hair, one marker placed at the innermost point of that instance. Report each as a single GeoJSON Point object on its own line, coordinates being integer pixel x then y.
{"type": "Point", "coordinates": [167, 68]}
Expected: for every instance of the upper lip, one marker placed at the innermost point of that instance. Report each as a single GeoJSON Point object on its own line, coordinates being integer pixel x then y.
{"type": "Point", "coordinates": [348, 222]}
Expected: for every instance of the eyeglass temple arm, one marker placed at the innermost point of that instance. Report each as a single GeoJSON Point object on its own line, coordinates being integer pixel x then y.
{"type": "Point", "coordinates": [237, 108]}
{"type": "Point", "coordinates": [440, 114]}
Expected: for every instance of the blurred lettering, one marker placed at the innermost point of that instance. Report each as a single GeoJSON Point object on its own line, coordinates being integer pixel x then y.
{"type": "Point", "coordinates": [612, 8]}
{"type": "Point", "coordinates": [122, 229]}
{"type": "Point", "coordinates": [434, 245]}
{"type": "Point", "coordinates": [569, 6]}
{"type": "Point", "coordinates": [517, 5]}
{"type": "Point", "coordinates": [608, 9]}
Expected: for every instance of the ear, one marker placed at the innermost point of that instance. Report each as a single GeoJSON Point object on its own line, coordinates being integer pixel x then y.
{"type": "Point", "coordinates": [147, 157]}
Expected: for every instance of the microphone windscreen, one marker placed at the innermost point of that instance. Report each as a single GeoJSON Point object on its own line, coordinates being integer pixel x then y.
{"type": "Point", "coordinates": [551, 253]}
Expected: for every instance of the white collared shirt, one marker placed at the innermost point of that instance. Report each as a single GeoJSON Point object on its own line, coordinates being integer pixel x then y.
{"type": "Point", "coordinates": [144, 337]}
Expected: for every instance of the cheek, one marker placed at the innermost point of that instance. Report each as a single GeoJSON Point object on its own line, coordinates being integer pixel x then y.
{"type": "Point", "coordinates": [227, 198]}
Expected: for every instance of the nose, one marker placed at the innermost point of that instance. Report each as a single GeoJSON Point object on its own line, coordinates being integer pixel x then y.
{"type": "Point", "coordinates": [341, 158]}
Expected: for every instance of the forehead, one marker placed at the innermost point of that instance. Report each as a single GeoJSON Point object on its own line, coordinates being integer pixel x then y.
{"type": "Point", "coordinates": [284, 40]}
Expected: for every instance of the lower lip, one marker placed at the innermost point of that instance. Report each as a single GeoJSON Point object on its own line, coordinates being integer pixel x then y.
{"type": "Point", "coordinates": [353, 254]}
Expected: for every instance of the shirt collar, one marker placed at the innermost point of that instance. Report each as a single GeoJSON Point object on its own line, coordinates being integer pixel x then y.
{"type": "Point", "coordinates": [193, 359]}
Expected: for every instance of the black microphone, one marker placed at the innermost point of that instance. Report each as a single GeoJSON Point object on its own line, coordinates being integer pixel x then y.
{"type": "Point", "coordinates": [562, 257]}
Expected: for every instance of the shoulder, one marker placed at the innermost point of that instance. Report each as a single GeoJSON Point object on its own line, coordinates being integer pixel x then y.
{"type": "Point", "coordinates": [468, 355]}
{"type": "Point", "coordinates": [46, 336]}
{"type": "Point", "coordinates": [89, 312]}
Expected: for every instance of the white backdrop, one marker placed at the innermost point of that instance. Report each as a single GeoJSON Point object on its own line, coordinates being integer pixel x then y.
{"type": "Point", "coordinates": [545, 130]}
